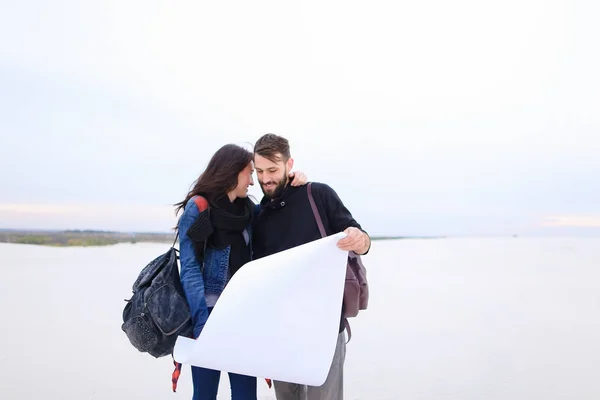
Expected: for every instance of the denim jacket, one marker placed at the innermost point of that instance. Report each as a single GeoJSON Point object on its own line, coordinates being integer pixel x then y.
{"type": "Point", "coordinates": [197, 284]}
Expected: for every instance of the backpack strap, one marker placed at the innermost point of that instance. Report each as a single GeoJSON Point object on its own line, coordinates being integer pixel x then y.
{"type": "Point", "coordinates": [315, 210]}
{"type": "Point", "coordinates": [202, 205]}
{"type": "Point", "coordinates": [324, 234]}
{"type": "Point", "coordinates": [176, 373]}
{"type": "Point", "coordinates": [347, 325]}
{"type": "Point", "coordinates": [175, 241]}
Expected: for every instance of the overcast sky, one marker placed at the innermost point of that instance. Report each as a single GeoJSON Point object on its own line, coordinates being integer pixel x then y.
{"type": "Point", "coordinates": [427, 118]}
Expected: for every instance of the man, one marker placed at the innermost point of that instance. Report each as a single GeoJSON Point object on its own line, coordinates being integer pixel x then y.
{"type": "Point", "coordinates": [286, 220]}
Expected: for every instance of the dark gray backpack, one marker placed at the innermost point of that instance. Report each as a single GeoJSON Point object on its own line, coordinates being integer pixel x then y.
{"type": "Point", "coordinates": [158, 311]}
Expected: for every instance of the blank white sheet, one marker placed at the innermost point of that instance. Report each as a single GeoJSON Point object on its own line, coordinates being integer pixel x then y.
{"type": "Point", "coordinates": [277, 318]}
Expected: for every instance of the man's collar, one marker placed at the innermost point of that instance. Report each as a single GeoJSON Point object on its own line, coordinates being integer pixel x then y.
{"type": "Point", "coordinates": [279, 201]}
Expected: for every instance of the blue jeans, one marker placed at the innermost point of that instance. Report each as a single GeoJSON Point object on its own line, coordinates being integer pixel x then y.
{"type": "Point", "coordinates": [206, 383]}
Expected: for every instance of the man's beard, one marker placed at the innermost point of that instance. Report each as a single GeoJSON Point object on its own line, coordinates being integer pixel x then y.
{"type": "Point", "coordinates": [278, 189]}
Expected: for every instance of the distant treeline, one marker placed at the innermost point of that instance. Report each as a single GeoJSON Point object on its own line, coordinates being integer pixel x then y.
{"type": "Point", "coordinates": [106, 238]}
{"type": "Point", "coordinates": [404, 237]}
{"type": "Point", "coordinates": [81, 237]}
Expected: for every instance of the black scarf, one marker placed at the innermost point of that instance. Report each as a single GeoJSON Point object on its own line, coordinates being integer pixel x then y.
{"type": "Point", "coordinates": [229, 220]}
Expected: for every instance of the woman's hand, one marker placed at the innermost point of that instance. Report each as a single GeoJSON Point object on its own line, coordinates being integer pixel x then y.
{"type": "Point", "coordinates": [298, 178]}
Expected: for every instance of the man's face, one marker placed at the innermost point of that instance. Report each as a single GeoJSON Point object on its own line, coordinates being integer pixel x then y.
{"type": "Point", "coordinates": [272, 176]}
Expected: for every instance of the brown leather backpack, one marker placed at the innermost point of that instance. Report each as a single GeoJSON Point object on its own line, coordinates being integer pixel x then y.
{"type": "Point", "coordinates": [356, 289]}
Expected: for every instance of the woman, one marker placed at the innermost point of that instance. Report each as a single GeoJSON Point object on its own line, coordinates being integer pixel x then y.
{"type": "Point", "coordinates": [215, 240]}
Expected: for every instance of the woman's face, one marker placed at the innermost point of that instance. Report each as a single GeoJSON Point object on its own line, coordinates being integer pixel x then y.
{"type": "Point", "coordinates": [244, 181]}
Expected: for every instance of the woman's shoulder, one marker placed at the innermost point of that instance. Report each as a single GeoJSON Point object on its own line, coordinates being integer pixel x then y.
{"type": "Point", "coordinates": [200, 202]}
{"type": "Point", "coordinates": [196, 204]}
{"type": "Point", "coordinates": [193, 208]}
{"type": "Point", "coordinates": [194, 221]}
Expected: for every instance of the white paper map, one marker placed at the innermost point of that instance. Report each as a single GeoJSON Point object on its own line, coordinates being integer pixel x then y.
{"type": "Point", "coordinates": [277, 318]}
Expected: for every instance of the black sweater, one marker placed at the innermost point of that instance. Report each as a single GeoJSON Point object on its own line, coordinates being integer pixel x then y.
{"type": "Point", "coordinates": [288, 221]}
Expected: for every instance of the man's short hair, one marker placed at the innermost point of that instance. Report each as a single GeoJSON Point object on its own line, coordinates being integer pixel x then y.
{"type": "Point", "coordinates": [270, 145]}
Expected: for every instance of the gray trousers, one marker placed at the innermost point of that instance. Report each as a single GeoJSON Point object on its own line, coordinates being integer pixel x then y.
{"type": "Point", "coordinates": [332, 389]}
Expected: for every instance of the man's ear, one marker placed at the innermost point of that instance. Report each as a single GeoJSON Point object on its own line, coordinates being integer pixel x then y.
{"type": "Point", "coordinates": [290, 164]}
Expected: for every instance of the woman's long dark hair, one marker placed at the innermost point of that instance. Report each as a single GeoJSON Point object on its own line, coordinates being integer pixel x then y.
{"type": "Point", "coordinates": [220, 176]}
